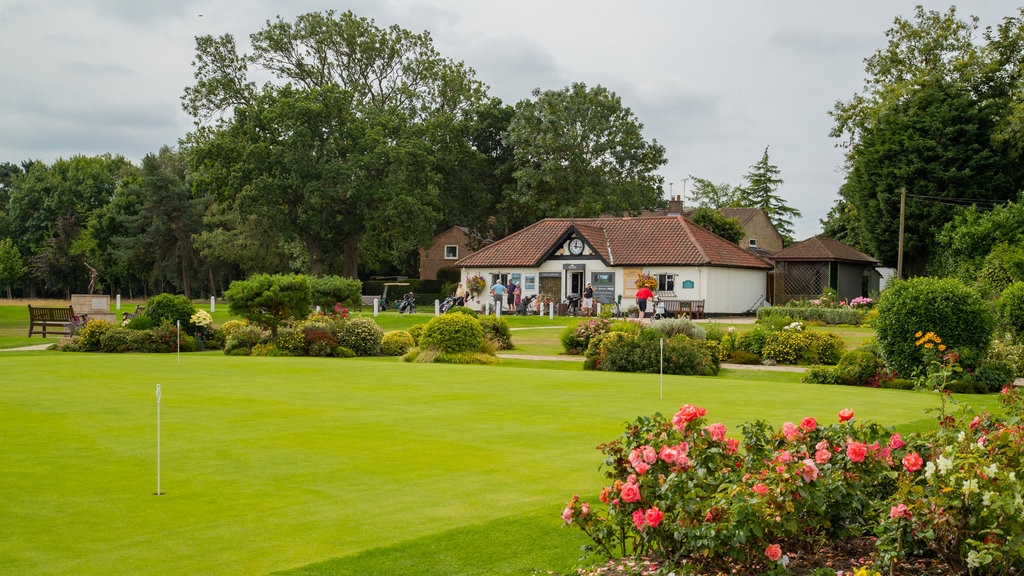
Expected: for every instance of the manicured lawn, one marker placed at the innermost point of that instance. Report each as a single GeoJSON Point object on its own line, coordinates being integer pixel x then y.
{"type": "Point", "coordinates": [277, 464]}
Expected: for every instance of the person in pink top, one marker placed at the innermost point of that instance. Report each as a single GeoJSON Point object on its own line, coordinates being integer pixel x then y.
{"type": "Point", "coordinates": [642, 296]}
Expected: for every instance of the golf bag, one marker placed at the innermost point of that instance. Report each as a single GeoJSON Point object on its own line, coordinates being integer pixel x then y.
{"type": "Point", "coordinates": [525, 307]}
{"type": "Point", "coordinates": [407, 304]}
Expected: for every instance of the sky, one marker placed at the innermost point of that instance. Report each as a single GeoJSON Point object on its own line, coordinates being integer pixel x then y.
{"type": "Point", "coordinates": [715, 83]}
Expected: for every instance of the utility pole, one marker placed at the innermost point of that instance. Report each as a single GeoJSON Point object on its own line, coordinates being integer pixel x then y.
{"type": "Point", "coordinates": [899, 258]}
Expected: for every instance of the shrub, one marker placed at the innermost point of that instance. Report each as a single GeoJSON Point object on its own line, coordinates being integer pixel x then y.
{"type": "Point", "coordinates": [622, 352]}
{"type": "Point", "coordinates": [242, 338]}
{"type": "Point", "coordinates": [415, 331]}
{"type": "Point", "coordinates": [751, 341]}
{"type": "Point", "coordinates": [269, 300]}
{"type": "Point", "coordinates": [743, 357]}
{"type": "Point", "coordinates": [328, 291]}
{"type": "Point", "coordinates": [673, 326]}
{"type": "Point", "coordinates": [115, 340]}
{"type": "Point", "coordinates": [576, 338]}
{"type": "Point", "coordinates": [847, 315]}
{"type": "Point", "coordinates": [140, 323]}
{"type": "Point", "coordinates": [858, 367]}
{"type": "Point", "coordinates": [1012, 354]}
{"type": "Point", "coordinates": [169, 338]}
{"type": "Point", "coordinates": [396, 343]}
{"type": "Point", "coordinates": [1010, 308]}
{"type": "Point", "coordinates": [453, 333]}
{"type": "Point", "coordinates": [945, 306]}
{"type": "Point", "coordinates": [171, 308]}
{"type": "Point", "coordinates": [89, 335]}
{"type": "Point", "coordinates": [803, 347]}
{"type": "Point", "coordinates": [144, 341]}
{"type": "Point", "coordinates": [361, 335]}
{"type": "Point", "coordinates": [496, 331]}
{"type": "Point", "coordinates": [463, 310]}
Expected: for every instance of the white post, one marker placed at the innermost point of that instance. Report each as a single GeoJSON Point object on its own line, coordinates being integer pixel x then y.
{"type": "Point", "coordinates": [118, 302]}
{"type": "Point", "coordinates": [179, 342]}
{"type": "Point", "coordinates": [497, 309]}
{"type": "Point", "coordinates": [437, 307]}
{"type": "Point", "coordinates": [551, 311]}
{"type": "Point", "coordinates": [541, 309]}
{"type": "Point", "coordinates": [376, 306]}
{"type": "Point", "coordinates": [487, 308]}
{"type": "Point", "coordinates": [158, 492]}
{"type": "Point", "coordinates": [213, 304]}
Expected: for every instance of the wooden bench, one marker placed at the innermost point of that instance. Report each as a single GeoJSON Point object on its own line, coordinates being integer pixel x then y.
{"type": "Point", "coordinates": [693, 309]}
{"type": "Point", "coordinates": [46, 318]}
{"type": "Point", "coordinates": [368, 300]}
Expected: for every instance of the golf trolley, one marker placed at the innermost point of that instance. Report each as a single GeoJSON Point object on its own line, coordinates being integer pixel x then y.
{"type": "Point", "coordinates": [525, 307]}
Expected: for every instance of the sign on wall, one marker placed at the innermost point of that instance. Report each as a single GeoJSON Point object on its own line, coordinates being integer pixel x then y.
{"type": "Point", "coordinates": [604, 286]}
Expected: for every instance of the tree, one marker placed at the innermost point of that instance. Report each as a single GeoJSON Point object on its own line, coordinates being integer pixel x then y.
{"type": "Point", "coordinates": [269, 300]}
{"type": "Point", "coordinates": [963, 244]}
{"type": "Point", "coordinates": [12, 268]}
{"type": "Point", "coordinates": [761, 192]}
{"type": "Point", "coordinates": [579, 152]}
{"type": "Point", "coordinates": [341, 153]}
{"type": "Point", "coordinates": [935, 117]}
{"type": "Point", "coordinates": [715, 221]}
{"type": "Point", "coordinates": [707, 193]}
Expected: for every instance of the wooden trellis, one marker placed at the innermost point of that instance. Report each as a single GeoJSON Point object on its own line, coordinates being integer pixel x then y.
{"type": "Point", "coordinates": [800, 280]}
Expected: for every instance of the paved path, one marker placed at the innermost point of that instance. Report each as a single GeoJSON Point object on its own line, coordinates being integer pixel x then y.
{"type": "Point", "coordinates": [565, 358]}
{"type": "Point", "coordinates": [33, 347]}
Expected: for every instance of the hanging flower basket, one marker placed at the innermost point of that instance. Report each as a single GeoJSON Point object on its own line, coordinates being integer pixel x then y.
{"type": "Point", "coordinates": [476, 286]}
{"type": "Point", "coordinates": [646, 280]}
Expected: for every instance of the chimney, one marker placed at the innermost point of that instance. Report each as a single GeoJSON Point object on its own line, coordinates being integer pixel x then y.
{"type": "Point", "coordinates": [675, 205]}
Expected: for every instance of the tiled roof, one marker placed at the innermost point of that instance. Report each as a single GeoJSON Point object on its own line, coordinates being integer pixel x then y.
{"type": "Point", "coordinates": [662, 241]}
{"type": "Point", "coordinates": [821, 248]}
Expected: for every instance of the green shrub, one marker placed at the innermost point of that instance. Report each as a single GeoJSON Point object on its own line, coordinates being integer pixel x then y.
{"type": "Point", "coordinates": [140, 323]}
{"type": "Point", "coordinates": [673, 326]}
{"type": "Point", "coordinates": [89, 336]}
{"type": "Point", "coordinates": [803, 347]}
{"type": "Point", "coordinates": [1012, 354]}
{"type": "Point", "coordinates": [463, 310]}
{"type": "Point", "coordinates": [576, 338]}
{"type": "Point", "coordinates": [342, 352]}
{"type": "Point", "coordinates": [897, 384]}
{"type": "Point", "coordinates": [643, 352]}
{"type": "Point", "coordinates": [396, 343]}
{"type": "Point", "coordinates": [291, 340]}
{"type": "Point", "coordinates": [453, 333]}
{"type": "Point", "coordinates": [171, 308]}
{"type": "Point", "coordinates": [751, 341]}
{"type": "Point", "coordinates": [242, 338]}
{"type": "Point", "coordinates": [496, 331]}
{"type": "Point", "coordinates": [743, 357]}
{"type": "Point", "coordinates": [823, 375]}
{"type": "Point", "coordinates": [327, 291]}
{"type": "Point", "coordinates": [946, 306]}
{"type": "Point", "coordinates": [144, 341]}
{"type": "Point", "coordinates": [832, 316]}
{"type": "Point", "coordinates": [416, 330]}
{"type": "Point", "coordinates": [269, 300]}
{"type": "Point", "coordinates": [361, 335]}
{"type": "Point", "coordinates": [115, 340]}
{"type": "Point", "coordinates": [859, 367]}
{"type": "Point", "coordinates": [1010, 309]}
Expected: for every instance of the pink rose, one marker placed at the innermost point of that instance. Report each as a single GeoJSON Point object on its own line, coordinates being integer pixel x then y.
{"type": "Point", "coordinates": [760, 489]}
{"type": "Point", "coordinates": [732, 445]}
{"type": "Point", "coordinates": [773, 552]}
{"type": "Point", "coordinates": [784, 457]}
{"type": "Point", "coordinates": [716, 431]}
{"type": "Point", "coordinates": [822, 456]}
{"type": "Point", "coordinates": [896, 441]}
{"type": "Point", "coordinates": [809, 471]}
{"type": "Point", "coordinates": [649, 454]}
{"type": "Point", "coordinates": [899, 511]}
{"type": "Point", "coordinates": [638, 519]}
{"type": "Point", "coordinates": [669, 454]}
{"type": "Point", "coordinates": [790, 431]}
{"type": "Point", "coordinates": [845, 414]}
{"type": "Point", "coordinates": [912, 462]}
{"type": "Point", "coordinates": [641, 467]}
{"type": "Point", "coordinates": [653, 517]}
{"type": "Point", "coordinates": [585, 510]}
{"type": "Point", "coordinates": [856, 451]}
{"type": "Point", "coordinates": [808, 424]}
{"type": "Point", "coordinates": [630, 492]}
{"type": "Point", "coordinates": [687, 413]}
{"type": "Point", "coordinates": [567, 515]}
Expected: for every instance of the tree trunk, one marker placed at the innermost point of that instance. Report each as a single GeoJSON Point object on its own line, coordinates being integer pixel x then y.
{"type": "Point", "coordinates": [186, 281]}
{"type": "Point", "coordinates": [316, 263]}
{"type": "Point", "coordinates": [350, 257]}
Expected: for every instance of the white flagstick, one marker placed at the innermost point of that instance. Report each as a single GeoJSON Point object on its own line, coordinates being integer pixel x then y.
{"type": "Point", "coordinates": [179, 342]}
{"type": "Point", "coordinates": [158, 492]}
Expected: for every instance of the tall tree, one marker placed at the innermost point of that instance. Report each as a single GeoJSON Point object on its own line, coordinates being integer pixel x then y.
{"type": "Point", "coordinates": [707, 193]}
{"type": "Point", "coordinates": [579, 152]}
{"type": "Point", "coordinates": [715, 221]}
{"type": "Point", "coordinates": [761, 191]}
{"type": "Point", "coordinates": [340, 150]}
{"type": "Point", "coordinates": [12, 268]}
{"type": "Point", "coordinates": [934, 117]}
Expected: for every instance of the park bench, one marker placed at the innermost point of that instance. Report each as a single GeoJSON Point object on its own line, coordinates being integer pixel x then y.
{"type": "Point", "coordinates": [46, 318]}
{"type": "Point", "coordinates": [368, 300]}
{"type": "Point", "coordinates": [694, 309]}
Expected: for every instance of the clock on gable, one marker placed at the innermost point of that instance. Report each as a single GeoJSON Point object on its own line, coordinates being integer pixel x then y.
{"type": "Point", "coordinates": [575, 246]}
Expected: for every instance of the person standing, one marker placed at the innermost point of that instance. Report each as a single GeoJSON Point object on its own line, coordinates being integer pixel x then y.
{"type": "Point", "coordinates": [510, 293]}
{"type": "Point", "coordinates": [498, 292]}
{"type": "Point", "coordinates": [588, 300]}
{"type": "Point", "coordinates": [642, 296]}
{"type": "Point", "coordinates": [461, 295]}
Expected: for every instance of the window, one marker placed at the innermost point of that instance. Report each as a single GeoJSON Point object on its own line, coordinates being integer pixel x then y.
{"type": "Point", "coordinates": [753, 242]}
{"type": "Point", "coordinates": [666, 282]}
{"type": "Point", "coordinates": [451, 252]}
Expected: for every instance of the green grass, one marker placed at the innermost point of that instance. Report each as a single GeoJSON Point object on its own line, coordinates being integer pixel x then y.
{"type": "Point", "coordinates": [274, 464]}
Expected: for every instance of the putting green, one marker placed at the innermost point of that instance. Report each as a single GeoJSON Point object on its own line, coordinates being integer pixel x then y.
{"type": "Point", "coordinates": [276, 463]}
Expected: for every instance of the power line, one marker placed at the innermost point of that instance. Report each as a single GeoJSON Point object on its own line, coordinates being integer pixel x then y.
{"type": "Point", "coordinates": [984, 203]}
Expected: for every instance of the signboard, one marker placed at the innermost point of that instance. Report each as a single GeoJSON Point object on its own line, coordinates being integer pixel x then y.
{"type": "Point", "coordinates": [573, 266]}
{"type": "Point", "coordinates": [604, 287]}
{"type": "Point", "coordinates": [687, 284]}
{"type": "Point", "coordinates": [530, 282]}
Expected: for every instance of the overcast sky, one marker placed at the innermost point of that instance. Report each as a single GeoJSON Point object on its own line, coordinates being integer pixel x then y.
{"type": "Point", "coordinates": [713, 82]}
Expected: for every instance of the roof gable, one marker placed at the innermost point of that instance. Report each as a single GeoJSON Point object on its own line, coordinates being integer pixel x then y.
{"type": "Point", "coordinates": [651, 241]}
{"type": "Point", "coordinates": [823, 248]}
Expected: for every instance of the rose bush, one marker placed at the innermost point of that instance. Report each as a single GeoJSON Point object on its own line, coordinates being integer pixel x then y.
{"type": "Point", "coordinates": [683, 492]}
